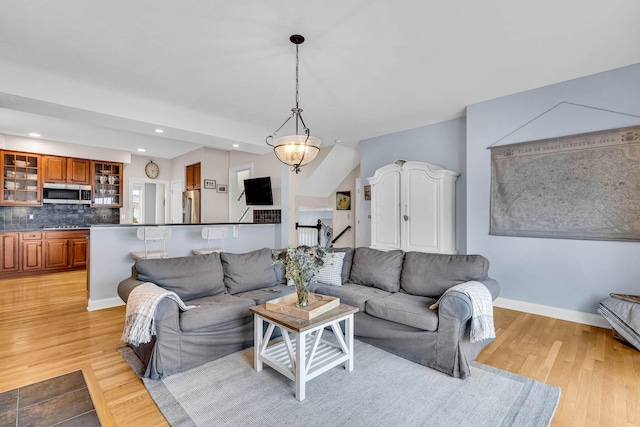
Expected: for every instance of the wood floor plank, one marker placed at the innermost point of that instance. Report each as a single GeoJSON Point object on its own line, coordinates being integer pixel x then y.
{"type": "Point", "coordinates": [46, 331]}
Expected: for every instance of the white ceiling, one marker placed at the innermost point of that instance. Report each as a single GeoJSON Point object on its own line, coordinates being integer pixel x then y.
{"type": "Point", "coordinates": [212, 73]}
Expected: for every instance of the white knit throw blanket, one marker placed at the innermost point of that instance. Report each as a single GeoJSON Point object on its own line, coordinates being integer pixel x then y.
{"type": "Point", "coordinates": [481, 309]}
{"type": "Point", "coordinates": [141, 311]}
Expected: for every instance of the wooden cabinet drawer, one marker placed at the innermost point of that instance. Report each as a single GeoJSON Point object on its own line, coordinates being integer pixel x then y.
{"type": "Point", "coordinates": [75, 234]}
{"type": "Point", "coordinates": [32, 235]}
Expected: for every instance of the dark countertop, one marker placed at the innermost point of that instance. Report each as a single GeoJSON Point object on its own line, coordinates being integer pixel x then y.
{"type": "Point", "coordinates": [89, 227]}
{"type": "Point", "coordinates": [181, 225]}
{"type": "Point", "coordinates": [30, 229]}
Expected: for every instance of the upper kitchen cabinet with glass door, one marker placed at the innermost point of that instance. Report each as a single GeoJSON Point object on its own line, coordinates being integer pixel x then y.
{"type": "Point", "coordinates": [21, 179]}
{"type": "Point", "coordinates": [107, 184]}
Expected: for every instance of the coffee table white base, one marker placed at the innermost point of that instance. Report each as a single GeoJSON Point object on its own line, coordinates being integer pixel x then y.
{"type": "Point", "coordinates": [303, 355]}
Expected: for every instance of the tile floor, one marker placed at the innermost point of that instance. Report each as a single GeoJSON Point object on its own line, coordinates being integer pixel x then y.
{"type": "Point", "coordinates": [60, 401]}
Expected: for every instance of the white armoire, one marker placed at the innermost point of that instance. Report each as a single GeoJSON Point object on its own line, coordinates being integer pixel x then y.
{"type": "Point", "coordinates": [413, 208]}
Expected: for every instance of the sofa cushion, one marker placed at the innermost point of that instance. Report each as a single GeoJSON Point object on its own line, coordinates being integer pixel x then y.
{"type": "Point", "coordinates": [249, 271]}
{"type": "Point", "coordinates": [213, 311]}
{"type": "Point", "coordinates": [260, 296]}
{"type": "Point", "coordinates": [430, 275]}
{"type": "Point", "coordinates": [351, 294]}
{"type": "Point", "coordinates": [347, 261]}
{"type": "Point", "coordinates": [379, 269]}
{"type": "Point", "coordinates": [410, 310]}
{"type": "Point", "coordinates": [331, 271]}
{"type": "Point", "coordinates": [190, 277]}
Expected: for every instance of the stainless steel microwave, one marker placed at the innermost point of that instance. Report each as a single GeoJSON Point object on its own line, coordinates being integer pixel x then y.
{"type": "Point", "coordinates": [70, 194]}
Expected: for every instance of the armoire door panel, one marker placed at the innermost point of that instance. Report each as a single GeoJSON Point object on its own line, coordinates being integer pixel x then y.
{"type": "Point", "coordinates": [422, 212]}
{"type": "Point", "coordinates": [385, 214]}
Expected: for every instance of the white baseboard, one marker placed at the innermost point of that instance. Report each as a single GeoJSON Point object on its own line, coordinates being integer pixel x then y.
{"type": "Point", "coordinates": [555, 312]}
{"type": "Point", "coordinates": [104, 303]}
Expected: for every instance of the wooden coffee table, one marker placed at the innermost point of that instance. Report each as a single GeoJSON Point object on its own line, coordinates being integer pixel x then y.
{"type": "Point", "coordinates": [303, 354]}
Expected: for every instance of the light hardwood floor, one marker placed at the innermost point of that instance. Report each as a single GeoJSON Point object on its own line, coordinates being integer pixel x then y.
{"type": "Point", "coordinates": [45, 331]}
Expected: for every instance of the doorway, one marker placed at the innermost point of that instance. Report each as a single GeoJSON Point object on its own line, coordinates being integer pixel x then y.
{"type": "Point", "coordinates": [238, 209]}
{"type": "Point", "coordinates": [147, 201]}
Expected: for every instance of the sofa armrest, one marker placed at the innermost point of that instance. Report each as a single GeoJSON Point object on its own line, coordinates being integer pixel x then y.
{"type": "Point", "coordinates": [492, 285]}
{"type": "Point", "coordinates": [458, 305]}
{"type": "Point", "coordinates": [454, 305]}
{"type": "Point", "coordinates": [126, 286]}
{"type": "Point", "coordinates": [168, 308]}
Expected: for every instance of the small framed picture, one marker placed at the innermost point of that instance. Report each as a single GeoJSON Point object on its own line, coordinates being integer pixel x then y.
{"type": "Point", "coordinates": [343, 200]}
{"type": "Point", "coordinates": [222, 188]}
{"type": "Point", "coordinates": [367, 192]}
{"type": "Point", "coordinates": [210, 183]}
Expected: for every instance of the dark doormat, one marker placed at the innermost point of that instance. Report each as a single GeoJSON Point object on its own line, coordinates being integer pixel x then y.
{"type": "Point", "coordinates": [61, 401]}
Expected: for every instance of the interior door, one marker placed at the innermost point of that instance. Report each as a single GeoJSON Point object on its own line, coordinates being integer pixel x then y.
{"type": "Point", "coordinates": [176, 202]}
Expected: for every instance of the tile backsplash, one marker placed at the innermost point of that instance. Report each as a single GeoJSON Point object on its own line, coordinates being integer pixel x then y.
{"type": "Point", "coordinates": [28, 217]}
{"type": "Point", "coordinates": [267, 216]}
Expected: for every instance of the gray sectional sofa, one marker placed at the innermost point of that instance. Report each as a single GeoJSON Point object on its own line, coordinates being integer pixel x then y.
{"type": "Point", "coordinates": [393, 291]}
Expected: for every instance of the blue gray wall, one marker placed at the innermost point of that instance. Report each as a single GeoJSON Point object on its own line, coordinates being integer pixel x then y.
{"type": "Point", "coordinates": [569, 274]}
{"type": "Point", "coordinates": [442, 144]}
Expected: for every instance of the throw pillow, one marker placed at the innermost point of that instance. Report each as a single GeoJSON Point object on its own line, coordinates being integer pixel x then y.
{"type": "Point", "coordinates": [331, 271]}
{"type": "Point", "coordinates": [278, 268]}
{"type": "Point", "coordinates": [346, 262]}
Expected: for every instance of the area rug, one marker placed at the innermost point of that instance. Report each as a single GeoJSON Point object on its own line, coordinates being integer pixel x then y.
{"type": "Point", "coordinates": [383, 390]}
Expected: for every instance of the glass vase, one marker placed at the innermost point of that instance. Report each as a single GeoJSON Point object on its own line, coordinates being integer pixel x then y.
{"type": "Point", "coordinates": [302, 289]}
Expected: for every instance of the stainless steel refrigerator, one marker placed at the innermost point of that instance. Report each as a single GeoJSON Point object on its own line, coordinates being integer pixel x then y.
{"type": "Point", "coordinates": [191, 207]}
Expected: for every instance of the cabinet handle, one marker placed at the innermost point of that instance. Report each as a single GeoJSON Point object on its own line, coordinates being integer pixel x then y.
{"type": "Point", "coordinates": [405, 216]}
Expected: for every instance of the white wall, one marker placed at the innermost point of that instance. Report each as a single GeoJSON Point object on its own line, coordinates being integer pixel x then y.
{"type": "Point", "coordinates": [263, 165]}
{"type": "Point", "coordinates": [44, 146]}
{"type": "Point", "coordinates": [567, 274]}
{"type": "Point", "coordinates": [214, 165]}
{"type": "Point", "coordinates": [342, 219]}
{"type": "Point", "coordinates": [135, 171]}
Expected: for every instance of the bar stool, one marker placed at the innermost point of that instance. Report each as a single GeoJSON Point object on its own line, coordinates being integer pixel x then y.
{"type": "Point", "coordinates": [212, 233]}
{"type": "Point", "coordinates": [152, 234]}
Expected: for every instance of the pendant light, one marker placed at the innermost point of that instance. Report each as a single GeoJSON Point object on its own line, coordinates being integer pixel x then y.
{"type": "Point", "coordinates": [299, 149]}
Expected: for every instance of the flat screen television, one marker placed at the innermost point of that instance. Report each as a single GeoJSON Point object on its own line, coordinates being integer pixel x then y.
{"type": "Point", "coordinates": [257, 191]}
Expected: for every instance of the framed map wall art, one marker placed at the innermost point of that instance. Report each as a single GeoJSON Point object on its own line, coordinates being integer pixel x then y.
{"type": "Point", "coordinates": [583, 186]}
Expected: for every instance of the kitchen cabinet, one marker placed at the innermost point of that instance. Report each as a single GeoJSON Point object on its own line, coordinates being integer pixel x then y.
{"type": "Point", "coordinates": [413, 208]}
{"type": "Point", "coordinates": [56, 253]}
{"type": "Point", "coordinates": [193, 177]}
{"type": "Point", "coordinates": [31, 251]}
{"type": "Point", "coordinates": [65, 249]}
{"type": "Point", "coordinates": [79, 171]}
{"type": "Point", "coordinates": [67, 170]}
{"type": "Point", "coordinates": [36, 252]}
{"type": "Point", "coordinates": [107, 180]}
{"type": "Point", "coordinates": [9, 252]}
{"type": "Point", "coordinates": [21, 179]}
{"type": "Point", "coordinates": [78, 252]}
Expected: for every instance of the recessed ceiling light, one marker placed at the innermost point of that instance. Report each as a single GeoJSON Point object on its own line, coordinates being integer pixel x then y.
{"type": "Point", "coordinates": [35, 135]}
{"type": "Point", "coordinates": [159, 130]}
{"type": "Point", "coordinates": [142, 150]}
{"type": "Point", "coordinates": [236, 145]}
